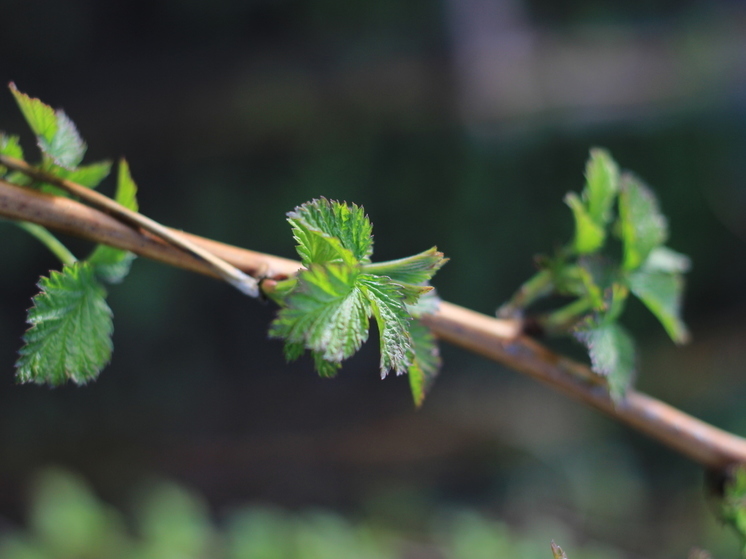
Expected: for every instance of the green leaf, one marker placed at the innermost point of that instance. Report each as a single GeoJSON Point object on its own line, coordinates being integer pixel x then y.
{"type": "Point", "coordinates": [40, 117]}
{"type": "Point", "coordinates": [612, 354]}
{"type": "Point", "coordinates": [66, 148]}
{"type": "Point", "coordinates": [416, 269]}
{"type": "Point", "coordinates": [9, 146]}
{"type": "Point", "coordinates": [393, 322]}
{"type": "Point", "coordinates": [663, 259]}
{"type": "Point", "coordinates": [425, 361]}
{"type": "Point", "coordinates": [331, 232]}
{"type": "Point", "coordinates": [643, 227]}
{"type": "Point", "coordinates": [733, 506]}
{"type": "Point", "coordinates": [327, 312]}
{"type": "Point", "coordinates": [71, 327]}
{"type": "Point", "coordinates": [601, 185]}
{"type": "Point", "coordinates": [86, 175]}
{"type": "Point", "coordinates": [126, 193]}
{"type": "Point", "coordinates": [113, 264]}
{"type": "Point", "coordinates": [324, 368]}
{"type": "Point", "coordinates": [55, 132]}
{"type": "Point", "coordinates": [662, 293]}
{"type": "Point", "coordinates": [589, 235]}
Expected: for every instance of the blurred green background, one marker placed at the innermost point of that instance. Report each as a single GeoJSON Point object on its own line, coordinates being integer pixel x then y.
{"type": "Point", "coordinates": [460, 123]}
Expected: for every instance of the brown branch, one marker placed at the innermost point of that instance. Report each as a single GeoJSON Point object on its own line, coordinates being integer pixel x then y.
{"type": "Point", "coordinates": [246, 284]}
{"type": "Point", "coordinates": [495, 339]}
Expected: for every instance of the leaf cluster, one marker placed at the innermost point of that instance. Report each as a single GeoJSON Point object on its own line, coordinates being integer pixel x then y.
{"type": "Point", "coordinates": [70, 322]}
{"type": "Point", "coordinates": [618, 249]}
{"type": "Point", "coordinates": [328, 307]}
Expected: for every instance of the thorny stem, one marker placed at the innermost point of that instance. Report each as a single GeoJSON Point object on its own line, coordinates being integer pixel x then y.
{"type": "Point", "coordinates": [231, 274]}
{"type": "Point", "coordinates": [499, 340]}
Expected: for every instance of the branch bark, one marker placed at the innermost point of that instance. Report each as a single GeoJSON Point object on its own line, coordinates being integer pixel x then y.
{"type": "Point", "coordinates": [498, 340]}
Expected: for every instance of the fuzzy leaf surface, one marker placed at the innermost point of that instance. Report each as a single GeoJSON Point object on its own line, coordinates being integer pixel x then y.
{"type": "Point", "coordinates": [393, 321]}
{"type": "Point", "coordinates": [327, 313]}
{"type": "Point", "coordinates": [417, 269]}
{"type": "Point", "coordinates": [612, 354]}
{"type": "Point", "coordinates": [425, 361]}
{"type": "Point", "coordinates": [601, 185]}
{"type": "Point", "coordinates": [329, 231]}
{"type": "Point", "coordinates": [661, 292]}
{"type": "Point", "coordinates": [66, 148]}
{"type": "Point", "coordinates": [71, 327]}
{"type": "Point", "coordinates": [39, 116]}
{"type": "Point", "coordinates": [643, 226]}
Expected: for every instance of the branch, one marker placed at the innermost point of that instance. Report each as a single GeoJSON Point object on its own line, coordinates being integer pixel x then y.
{"type": "Point", "coordinates": [245, 284]}
{"type": "Point", "coordinates": [498, 340]}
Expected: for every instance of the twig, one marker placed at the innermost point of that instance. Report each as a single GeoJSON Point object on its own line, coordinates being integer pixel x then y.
{"type": "Point", "coordinates": [495, 339]}
{"type": "Point", "coordinates": [246, 284]}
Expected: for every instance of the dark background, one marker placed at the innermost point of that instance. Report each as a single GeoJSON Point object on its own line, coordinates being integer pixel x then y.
{"type": "Point", "coordinates": [456, 123]}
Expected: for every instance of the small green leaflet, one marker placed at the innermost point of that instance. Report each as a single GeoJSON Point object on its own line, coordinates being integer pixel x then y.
{"type": "Point", "coordinates": [593, 212]}
{"type": "Point", "coordinates": [71, 327]}
{"type": "Point", "coordinates": [589, 235]}
{"type": "Point", "coordinates": [426, 363]}
{"type": "Point", "coordinates": [643, 227]}
{"type": "Point", "coordinates": [601, 185]}
{"type": "Point", "coordinates": [327, 308]}
{"type": "Point", "coordinates": [327, 313]}
{"type": "Point", "coordinates": [86, 175]}
{"type": "Point", "coordinates": [331, 232]}
{"type": "Point", "coordinates": [733, 505]}
{"type": "Point", "coordinates": [56, 134]}
{"type": "Point", "coordinates": [113, 264]}
{"type": "Point", "coordinates": [612, 354]}
{"type": "Point", "coordinates": [662, 292]}
{"type": "Point", "coordinates": [387, 301]}
{"type": "Point", "coordinates": [9, 146]}
{"type": "Point", "coordinates": [40, 116]}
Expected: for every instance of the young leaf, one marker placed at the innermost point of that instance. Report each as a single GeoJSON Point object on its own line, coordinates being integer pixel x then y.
{"type": "Point", "coordinates": [662, 293]}
{"type": "Point", "coordinates": [326, 313]}
{"type": "Point", "coordinates": [86, 175]}
{"type": "Point", "coordinates": [71, 327]}
{"type": "Point", "coordinates": [612, 353]}
{"type": "Point", "coordinates": [66, 147]}
{"type": "Point", "coordinates": [425, 361]}
{"type": "Point", "coordinates": [113, 264]}
{"type": "Point", "coordinates": [643, 227]}
{"type": "Point", "coordinates": [39, 116]}
{"type": "Point", "coordinates": [733, 506]}
{"type": "Point", "coordinates": [55, 132]}
{"type": "Point", "coordinates": [602, 185]}
{"type": "Point", "coordinates": [393, 322]}
{"type": "Point", "coordinates": [331, 232]}
{"type": "Point", "coordinates": [589, 235]}
{"type": "Point", "coordinates": [9, 146]}
{"type": "Point", "coordinates": [663, 259]}
{"type": "Point", "coordinates": [416, 269]}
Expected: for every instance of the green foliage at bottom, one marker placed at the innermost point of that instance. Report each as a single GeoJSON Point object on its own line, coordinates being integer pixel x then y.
{"type": "Point", "coordinates": [67, 521]}
{"type": "Point", "coordinates": [733, 508]}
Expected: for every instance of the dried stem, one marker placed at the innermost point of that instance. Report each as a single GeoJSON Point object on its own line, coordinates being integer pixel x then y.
{"type": "Point", "coordinates": [499, 340]}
